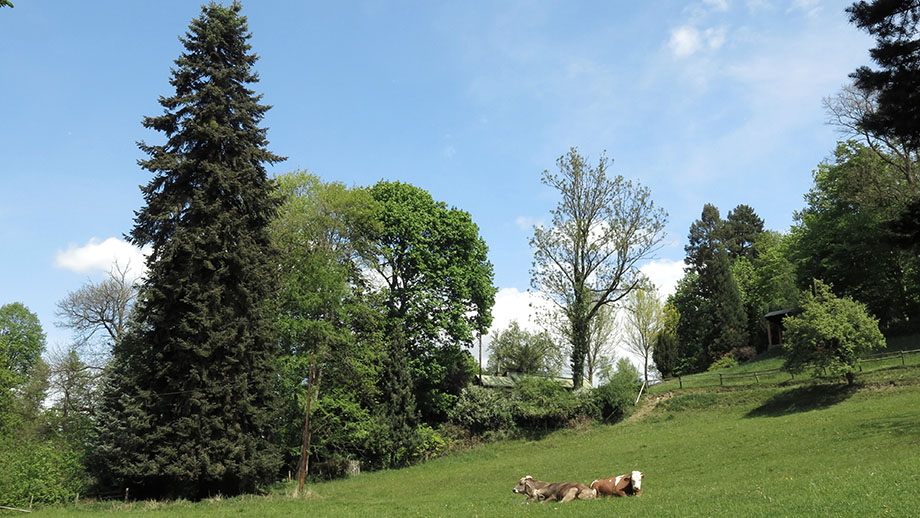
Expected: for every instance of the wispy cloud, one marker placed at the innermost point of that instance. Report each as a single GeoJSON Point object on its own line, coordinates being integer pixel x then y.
{"type": "Point", "coordinates": [718, 5]}
{"type": "Point", "coordinates": [685, 41]}
{"type": "Point", "coordinates": [101, 256]}
{"type": "Point", "coordinates": [527, 223]}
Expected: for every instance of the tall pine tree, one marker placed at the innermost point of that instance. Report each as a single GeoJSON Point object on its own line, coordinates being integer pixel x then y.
{"type": "Point", "coordinates": [712, 317]}
{"type": "Point", "coordinates": [190, 402]}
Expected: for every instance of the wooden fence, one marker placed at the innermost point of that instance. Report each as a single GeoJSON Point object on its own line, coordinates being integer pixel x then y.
{"type": "Point", "coordinates": [709, 378]}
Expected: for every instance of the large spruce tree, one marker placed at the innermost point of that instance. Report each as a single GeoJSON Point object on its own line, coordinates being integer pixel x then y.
{"type": "Point", "coordinates": [189, 406]}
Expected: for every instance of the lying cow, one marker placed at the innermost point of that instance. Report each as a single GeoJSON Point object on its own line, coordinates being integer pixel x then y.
{"type": "Point", "coordinates": [551, 491]}
{"type": "Point", "coordinates": [620, 486]}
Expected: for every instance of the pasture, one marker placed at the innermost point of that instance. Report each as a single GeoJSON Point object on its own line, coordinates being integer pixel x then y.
{"type": "Point", "coordinates": [804, 448]}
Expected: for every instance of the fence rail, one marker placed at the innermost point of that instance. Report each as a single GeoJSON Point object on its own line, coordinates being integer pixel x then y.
{"type": "Point", "coordinates": [709, 378]}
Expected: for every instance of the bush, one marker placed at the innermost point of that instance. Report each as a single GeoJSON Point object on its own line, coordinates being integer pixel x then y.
{"type": "Point", "coordinates": [727, 361]}
{"type": "Point", "coordinates": [616, 398]}
{"type": "Point", "coordinates": [743, 354]}
{"type": "Point", "coordinates": [831, 333]}
{"type": "Point", "coordinates": [43, 471]}
{"type": "Point", "coordinates": [431, 444]}
{"type": "Point", "coordinates": [541, 403]}
{"type": "Point", "coordinates": [482, 410]}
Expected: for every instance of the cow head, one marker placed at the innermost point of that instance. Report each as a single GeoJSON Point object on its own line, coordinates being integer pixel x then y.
{"type": "Point", "coordinates": [636, 477]}
{"type": "Point", "coordinates": [521, 486]}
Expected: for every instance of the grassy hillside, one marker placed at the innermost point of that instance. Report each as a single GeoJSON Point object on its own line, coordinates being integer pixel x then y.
{"type": "Point", "coordinates": [801, 449]}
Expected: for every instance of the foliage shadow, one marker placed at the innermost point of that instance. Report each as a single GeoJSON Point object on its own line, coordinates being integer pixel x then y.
{"type": "Point", "coordinates": [803, 399]}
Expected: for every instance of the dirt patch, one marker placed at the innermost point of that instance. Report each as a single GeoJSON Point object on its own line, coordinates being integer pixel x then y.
{"type": "Point", "coordinates": [648, 405]}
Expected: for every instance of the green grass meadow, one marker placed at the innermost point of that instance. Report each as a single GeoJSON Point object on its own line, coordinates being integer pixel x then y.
{"type": "Point", "coordinates": [804, 448]}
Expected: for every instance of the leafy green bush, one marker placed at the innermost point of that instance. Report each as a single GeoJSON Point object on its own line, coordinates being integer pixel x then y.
{"type": "Point", "coordinates": [830, 334]}
{"type": "Point", "coordinates": [42, 471]}
{"type": "Point", "coordinates": [727, 361]}
{"type": "Point", "coordinates": [431, 444]}
{"type": "Point", "coordinates": [617, 395]}
{"type": "Point", "coordinates": [541, 403]}
{"type": "Point", "coordinates": [482, 410]}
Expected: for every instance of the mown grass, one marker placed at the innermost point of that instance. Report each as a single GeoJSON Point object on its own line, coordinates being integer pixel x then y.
{"type": "Point", "coordinates": [807, 449]}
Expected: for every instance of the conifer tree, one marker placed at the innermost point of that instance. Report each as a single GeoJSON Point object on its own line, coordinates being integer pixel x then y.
{"type": "Point", "coordinates": [190, 399]}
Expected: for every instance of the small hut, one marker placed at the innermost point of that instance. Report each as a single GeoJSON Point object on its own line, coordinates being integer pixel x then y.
{"type": "Point", "coordinates": [775, 326]}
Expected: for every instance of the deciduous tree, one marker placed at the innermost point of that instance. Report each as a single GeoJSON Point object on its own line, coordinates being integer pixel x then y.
{"type": "Point", "coordinates": [588, 258]}
{"type": "Point", "coordinates": [518, 350]}
{"type": "Point", "coordinates": [644, 319]}
{"type": "Point", "coordinates": [437, 289]}
{"type": "Point", "coordinates": [831, 334]}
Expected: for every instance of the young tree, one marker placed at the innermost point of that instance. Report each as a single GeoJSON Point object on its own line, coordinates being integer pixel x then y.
{"type": "Point", "coordinates": [601, 229]}
{"type": "Point", "coordinates": [644, 319]}
{"type": "Point", "coordinates": [437, 288]}
{"type": "Point", "coordinates": [601, 346]}
{"type": "Point", "coordinates": [323, 310]}
{"type": "Point", "coordinates": [518, 350]}
{"type": "Point", "coordinates": [830, 334]}
{"type": "Point", "coordinates": [190, 404]}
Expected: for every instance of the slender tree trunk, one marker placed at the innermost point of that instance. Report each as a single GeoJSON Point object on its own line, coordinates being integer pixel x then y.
{"type": "Point", "coordinates": [305, 449]}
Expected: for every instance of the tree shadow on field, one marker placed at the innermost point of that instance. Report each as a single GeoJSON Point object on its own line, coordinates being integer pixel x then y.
{"type": "Point", "coordinates": [803, 399]}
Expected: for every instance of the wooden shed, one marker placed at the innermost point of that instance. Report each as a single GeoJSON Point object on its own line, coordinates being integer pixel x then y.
{"type": "Point", "coordinates": [775, 325]}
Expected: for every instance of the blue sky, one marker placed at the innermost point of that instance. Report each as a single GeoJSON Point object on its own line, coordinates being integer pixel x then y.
{"type": "Point", "coordinates": [715, 101]}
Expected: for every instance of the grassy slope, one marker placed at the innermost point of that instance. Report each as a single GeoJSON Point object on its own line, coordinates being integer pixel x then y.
{"type": "Point", "coordinates": [797, 449]}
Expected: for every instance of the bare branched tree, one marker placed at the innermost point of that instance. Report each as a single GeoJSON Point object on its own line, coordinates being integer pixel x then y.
{"type": "Point", "coordinates": [848, 109]}
{"type": "Point", "coordinates": [98, 313]}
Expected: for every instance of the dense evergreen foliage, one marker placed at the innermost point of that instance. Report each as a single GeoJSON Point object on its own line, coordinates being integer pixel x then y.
{"type": "Point", "coordinates": [190, 403]}
{"type": "Point", "coordinates": [896, 84]}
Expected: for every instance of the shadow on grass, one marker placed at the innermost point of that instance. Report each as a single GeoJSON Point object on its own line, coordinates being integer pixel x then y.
{"type": "Point", "coordinates": [803, 399]}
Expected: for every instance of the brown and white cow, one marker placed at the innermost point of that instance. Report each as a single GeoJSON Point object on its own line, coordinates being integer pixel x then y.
{"type": "Point", "coordinates": [537, 490]}
{"type": "Point", "coordinates": [622, 485]}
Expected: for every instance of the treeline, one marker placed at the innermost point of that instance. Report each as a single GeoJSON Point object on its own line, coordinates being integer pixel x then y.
{"type": "Point", "coordinates": [854, 242]}
{"type": "Point", "coordinates": [264, 298]}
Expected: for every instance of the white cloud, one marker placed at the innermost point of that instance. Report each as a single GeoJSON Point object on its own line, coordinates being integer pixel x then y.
{"type": "Point", "coordinates": [102, 256]}
{"type": "Point", "coordinates": [809, 7]}
{"type": "Point", "coordinates": [685, 41]}
{"type": "Point", "coordinates": [513, 304]}
{"type": "Point", "coordinates": [715, 37]}
{"type": "Point", "coordinates": [664, 273]}
{"type": "Point", "coordinates": [718, 5]}
{"type": "Point", "coordinates": [527, 223]}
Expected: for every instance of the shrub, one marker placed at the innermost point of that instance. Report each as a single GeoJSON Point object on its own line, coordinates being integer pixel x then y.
{"type": "Point", "coordinates": [482, 410]}
{"type": "Point", "coordinates": [743, 354]}
{"type": "Point", "coordinates": [831, 333]}
{"type": "Point", "coordinates": [431, 444]}
{"type": "Point", "coordinates": [46, 471]}
{"type": "Point", "coordinates": [727, 361]}
{"type": "Point", "coordinates": [541, 403]}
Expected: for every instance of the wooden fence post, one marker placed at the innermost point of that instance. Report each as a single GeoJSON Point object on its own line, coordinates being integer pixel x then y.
{"type": "Point", "coordinates": [902, 358]}
{"type": "Point", "coordinates": [720, 378]}
{"type": "Point", "coordinates": [681, 381]}
{"type": "Point", "coordinates": [756, 378]}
